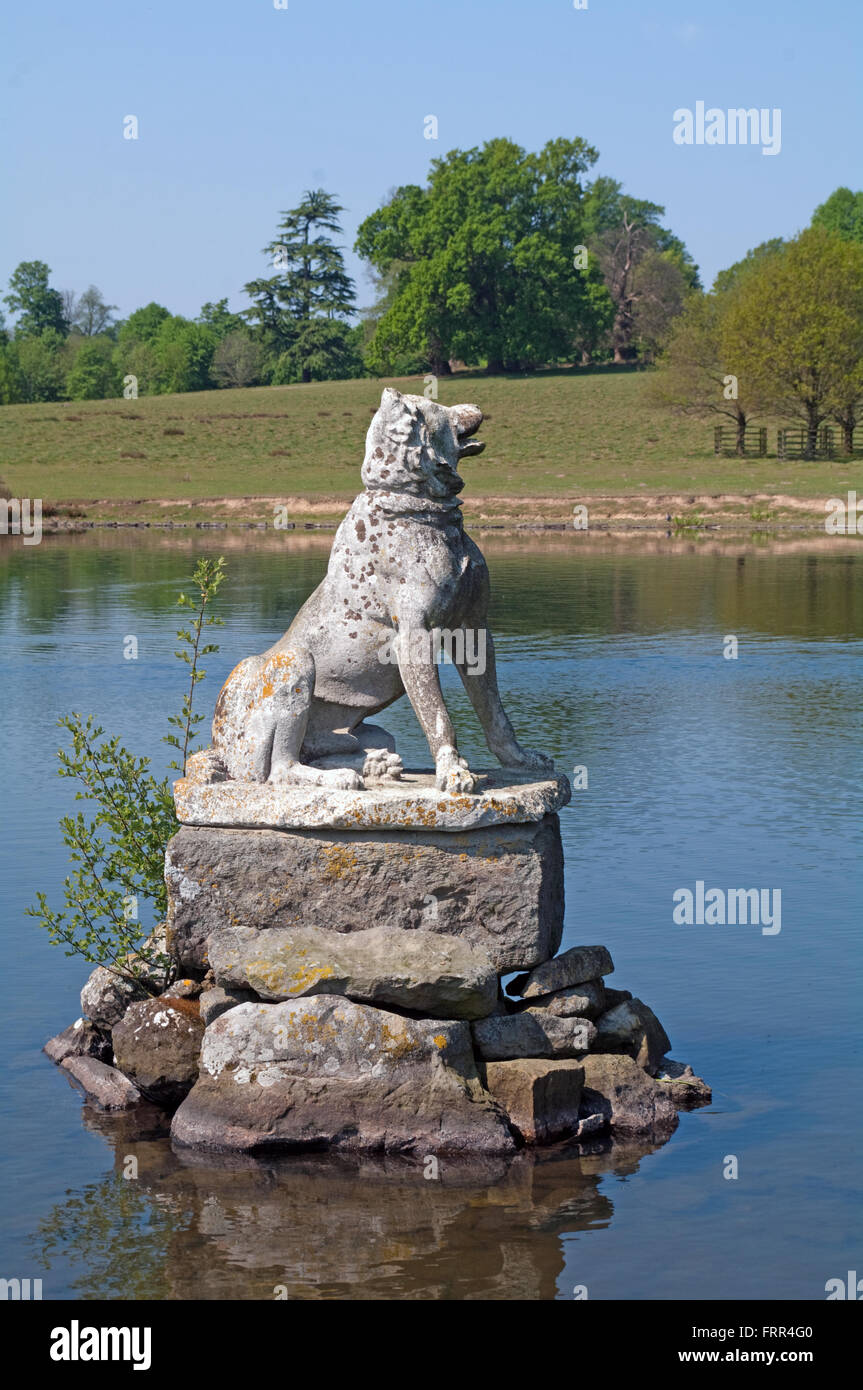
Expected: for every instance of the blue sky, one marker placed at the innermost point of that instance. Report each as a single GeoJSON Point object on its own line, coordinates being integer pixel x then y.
{"type": "Point", "coordinates": [242, 106]}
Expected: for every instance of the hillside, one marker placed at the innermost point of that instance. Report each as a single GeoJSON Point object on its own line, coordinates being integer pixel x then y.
{"type": "Point", "coordinates": [552, 439]}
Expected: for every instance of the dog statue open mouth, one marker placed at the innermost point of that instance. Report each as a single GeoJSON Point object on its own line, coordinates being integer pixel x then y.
{"type": "Point", "coordinates": [401, 566]}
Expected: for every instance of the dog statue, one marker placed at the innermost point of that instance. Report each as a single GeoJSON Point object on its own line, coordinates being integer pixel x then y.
{"type": "Point", "coordinates": [401, 569]}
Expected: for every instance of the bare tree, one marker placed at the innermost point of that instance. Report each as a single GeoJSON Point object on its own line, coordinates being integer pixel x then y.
{"type": "Point", "coordinates": [620, 250]}
{"type": "Point", "coordinates": [89, 314]}
{"type": "Point", "coordinates": [70, 302]}
{"type": "Point", "coordinates": [238, 360]}
{"type": "Point", "coordinates": [645, 276]}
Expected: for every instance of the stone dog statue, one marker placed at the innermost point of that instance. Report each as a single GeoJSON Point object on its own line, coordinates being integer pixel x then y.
{"type": "Point", "coordinates": [401, 564]}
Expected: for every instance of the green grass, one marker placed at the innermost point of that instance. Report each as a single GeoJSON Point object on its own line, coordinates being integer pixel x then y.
{"type": "Point", "coordinates": [552, 438]}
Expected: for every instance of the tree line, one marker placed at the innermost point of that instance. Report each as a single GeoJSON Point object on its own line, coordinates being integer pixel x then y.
{"type": "Point", "coordinates": [505, 259]}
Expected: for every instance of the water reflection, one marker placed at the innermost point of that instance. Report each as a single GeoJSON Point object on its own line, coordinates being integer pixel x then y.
{"type": "Point", "coordinates": [324, 1226]}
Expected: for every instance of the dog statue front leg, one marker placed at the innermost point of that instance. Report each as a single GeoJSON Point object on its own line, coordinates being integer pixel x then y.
{"type": "Point", "coordinates": [482, 691]}
{"type": "Point", "coordinates": [419, 673]}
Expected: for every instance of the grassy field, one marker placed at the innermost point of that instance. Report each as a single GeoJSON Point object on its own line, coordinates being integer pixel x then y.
{"type": "Point", "coordinates": [553, 439]}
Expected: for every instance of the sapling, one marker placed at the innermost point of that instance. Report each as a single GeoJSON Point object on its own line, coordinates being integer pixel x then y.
{"type": "Point", "coordinates": [118, 854]}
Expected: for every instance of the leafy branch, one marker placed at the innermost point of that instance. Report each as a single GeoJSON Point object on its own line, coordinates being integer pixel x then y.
{"type": "Point", "coordinates": [207, 578]}
{"type": "Point", "coordinates": [118, 854]}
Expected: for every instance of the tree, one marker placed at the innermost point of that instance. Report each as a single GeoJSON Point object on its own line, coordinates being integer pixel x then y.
{"type": "Point", "coordinates": [120, 853]}
{"type": "Point", "coordinates": [92, 375]}
{"type": "Point", "coordinates": [238, 359]}
{"type": "Point", "coordinates": [660, 290]}
{"type": "Point", "coordinates": [327, 348]}
{"type": "Point", "coordinates": [11, 386]}
{"type": "Point", "coordinates": [184, 354]}
{"type": "Point", "coordinates": [90, 315]}
{"type": "Point", "coordinates": [728, 279]}
{"type": "Point", "coordinates": [795, 328]}
{"type": "Point", "coordinates": [143, 325]}
{"type": "Point", "coordinates": [841, 214]}
{"type": "Point", "coordinates": [219, 319]}
{"type": "Point", "coordinates": [847, 414]}
{"type": "Point", "coordinates": [166, 352]}
{"type": "Point", "coordinates": [386, 287]}
{"type": "Point", "coordinates": [38, 306]}
{"type": "Point", "coordinates": [647, 270]}
{"type": "Point", "coordinates": [481, 263]}
{"type": "Point", "coordinates": [695, 376]}
{"type": "Point", "coordinates": [38, 365]}
{"type": "Point", "coordinates": [311, 284]}
{"type": "Point", "coordinates": [69, 299]}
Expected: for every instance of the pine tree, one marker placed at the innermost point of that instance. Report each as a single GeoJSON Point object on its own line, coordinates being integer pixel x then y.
{"type": "Point", "coordinates": [307, 301]}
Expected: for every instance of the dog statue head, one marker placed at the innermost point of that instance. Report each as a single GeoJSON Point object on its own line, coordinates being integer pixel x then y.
{"type": "Point", "coordinates": [414, 446]}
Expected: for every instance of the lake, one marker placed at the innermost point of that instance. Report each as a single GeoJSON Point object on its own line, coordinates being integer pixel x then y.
{"type": "Point", "coordinates": [734, 771]}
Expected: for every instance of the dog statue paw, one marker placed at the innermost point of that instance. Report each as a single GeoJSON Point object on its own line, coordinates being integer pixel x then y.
{"type": "Point", "coordinates": [452, 773]}
{"type": "Point", "coordinates": [382, 766]}
{"type": "Point", "coordinates": [532, 761]}
{"type": "Point", "coordinates": [341, 778]}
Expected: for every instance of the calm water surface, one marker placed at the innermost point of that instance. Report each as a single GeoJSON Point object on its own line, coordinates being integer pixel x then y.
{"type": "Point", "coordinates": [742, 773]}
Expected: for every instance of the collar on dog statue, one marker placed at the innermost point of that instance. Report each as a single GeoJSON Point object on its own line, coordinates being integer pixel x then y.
{"type": "Point", "coordinates": [427, 510]}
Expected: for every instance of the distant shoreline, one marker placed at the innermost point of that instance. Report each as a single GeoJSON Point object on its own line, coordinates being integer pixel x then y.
{"type": "Point", "coordinates": [618, 513]}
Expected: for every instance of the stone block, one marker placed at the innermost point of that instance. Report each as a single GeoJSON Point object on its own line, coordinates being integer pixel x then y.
{"type": "Point", "coordinates": [499, 888]}
{"type": "Point", "coordinates": [542, 1099]}
{"type": "Point", "coordinates": [325, 1073]}
{"type": "Point", "coordinates": [421, 972]}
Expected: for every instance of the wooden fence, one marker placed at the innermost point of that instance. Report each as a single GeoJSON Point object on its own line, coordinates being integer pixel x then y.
{"type": "Point", "coordinates": [754, 440]}
{"type": "Point", "coordinates": [792, 443]}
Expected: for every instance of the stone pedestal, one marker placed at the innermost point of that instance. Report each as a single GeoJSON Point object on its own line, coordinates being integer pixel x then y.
{"type": "Point", "coordinates": [487, 868]}
{"type": "Point", "coordinates": [500, 887]}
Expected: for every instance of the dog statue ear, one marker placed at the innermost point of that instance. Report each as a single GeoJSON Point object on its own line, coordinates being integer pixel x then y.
{"type": "Point", "coordinates": [401, 414]}
{"type": "Point", "coordinates": [396, 405]}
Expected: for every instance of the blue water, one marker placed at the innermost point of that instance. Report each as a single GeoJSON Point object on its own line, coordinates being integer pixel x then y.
{"type": "Point", "coordinates": [740, 773]}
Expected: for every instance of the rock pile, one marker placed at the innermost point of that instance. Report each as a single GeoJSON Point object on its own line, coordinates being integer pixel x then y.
{"type": "Point", "coordinates": [378, 1034]}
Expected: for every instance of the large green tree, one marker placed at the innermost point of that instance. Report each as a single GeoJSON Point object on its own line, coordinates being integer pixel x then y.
{"type": "Point", "coordinates": [38, 365]}
{"type": "Point", "coordinates": [301, 311]}
{"type": "Point", "coordinates": [483, 263]}
{"type": "Point", "coordinates": [143, 325]}
{"type": "Point", "coordinates": [184, 355]}
{"type": "Point", "coordinates": [794, 330]}
{"type": "Point", "coordinates": [38, 306]}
